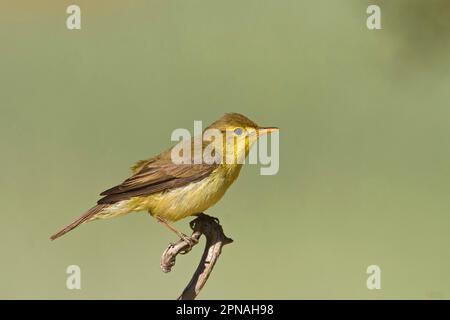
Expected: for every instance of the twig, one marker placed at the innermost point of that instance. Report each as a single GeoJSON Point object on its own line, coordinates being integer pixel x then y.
{"type": "Point", "coordinates": [215, 240]}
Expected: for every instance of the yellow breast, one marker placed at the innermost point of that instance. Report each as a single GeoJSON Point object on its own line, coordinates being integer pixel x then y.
{"type": "Point", "coordinates": [191, 199]}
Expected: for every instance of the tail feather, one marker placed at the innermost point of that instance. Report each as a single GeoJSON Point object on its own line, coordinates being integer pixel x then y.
{"type": "Point", "coordinates": [86, 216]}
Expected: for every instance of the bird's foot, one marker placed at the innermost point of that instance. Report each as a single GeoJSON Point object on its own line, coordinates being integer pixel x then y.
{"type": "Point", "coordinates": [190, 242]}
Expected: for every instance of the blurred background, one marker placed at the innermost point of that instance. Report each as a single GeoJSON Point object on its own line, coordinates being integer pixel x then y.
{"type": "Point", "coordinates": [364, 171]}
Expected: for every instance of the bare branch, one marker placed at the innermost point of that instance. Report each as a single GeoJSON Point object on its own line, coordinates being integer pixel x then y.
{"type": "Point", "coordinates": [215, 240]}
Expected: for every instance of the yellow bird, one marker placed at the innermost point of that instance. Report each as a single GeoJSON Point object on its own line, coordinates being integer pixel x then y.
{"type": "Point", "coordinates": [171, 191]}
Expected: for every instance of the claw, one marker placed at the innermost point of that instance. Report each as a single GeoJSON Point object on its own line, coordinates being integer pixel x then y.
{"type": "Point", "coordinates": [189, 241]}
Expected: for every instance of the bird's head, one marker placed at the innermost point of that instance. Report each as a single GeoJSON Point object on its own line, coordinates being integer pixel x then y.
{"type": "Point", "coordinates": [240, 133]}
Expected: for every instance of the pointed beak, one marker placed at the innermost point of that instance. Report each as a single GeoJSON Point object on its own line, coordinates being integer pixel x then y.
{"type": "Point", "coordinates": [267, 130]}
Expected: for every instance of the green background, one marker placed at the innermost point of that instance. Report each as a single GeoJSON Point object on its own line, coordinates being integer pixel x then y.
{"type": "Point", "coordinates": [364, 157]}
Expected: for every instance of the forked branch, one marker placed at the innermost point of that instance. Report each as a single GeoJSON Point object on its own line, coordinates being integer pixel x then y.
{"type": "Point", "coordinates": [215, 240]}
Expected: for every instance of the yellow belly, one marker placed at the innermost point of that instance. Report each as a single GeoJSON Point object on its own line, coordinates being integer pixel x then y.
{"type": "Point", "coordinates": [181, 202]}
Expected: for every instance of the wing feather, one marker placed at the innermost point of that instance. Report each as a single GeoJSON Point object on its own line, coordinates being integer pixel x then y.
{"type": "Point", "coordinates": [155, 175]}
{"type": "Point", "coordinates": [156, 178]}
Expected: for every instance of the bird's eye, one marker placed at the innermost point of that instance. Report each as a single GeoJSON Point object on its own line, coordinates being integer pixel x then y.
{"type": "Point", "coordinates": [238, 131]}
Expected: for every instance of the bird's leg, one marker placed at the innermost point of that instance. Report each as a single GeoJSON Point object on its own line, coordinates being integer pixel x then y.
{"type": "Point", "coordinates": [190, 241]}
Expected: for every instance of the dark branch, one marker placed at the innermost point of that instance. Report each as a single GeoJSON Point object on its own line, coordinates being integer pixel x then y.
{"type": "Point", "coordinates": [215, 240]}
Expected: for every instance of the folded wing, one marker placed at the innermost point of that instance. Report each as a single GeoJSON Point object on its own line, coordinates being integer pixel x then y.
{"type": "Point", "coordinates": [156, 176]}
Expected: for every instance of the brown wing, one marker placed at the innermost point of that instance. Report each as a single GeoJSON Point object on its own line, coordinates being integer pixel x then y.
{"type": "Point", "coordinates": [158, 174]}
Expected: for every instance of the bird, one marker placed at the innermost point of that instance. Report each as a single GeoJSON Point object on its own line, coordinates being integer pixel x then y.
{"type": "Point", "coordinates": [169, 190]}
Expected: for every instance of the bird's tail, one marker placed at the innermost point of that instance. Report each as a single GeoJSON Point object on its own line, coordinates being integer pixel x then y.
{"type": "Point", "coordinates": [85, 217]}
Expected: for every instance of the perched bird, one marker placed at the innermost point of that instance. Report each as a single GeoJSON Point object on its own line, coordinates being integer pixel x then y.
{"type": "Point", "coordinates": [171, 191]}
